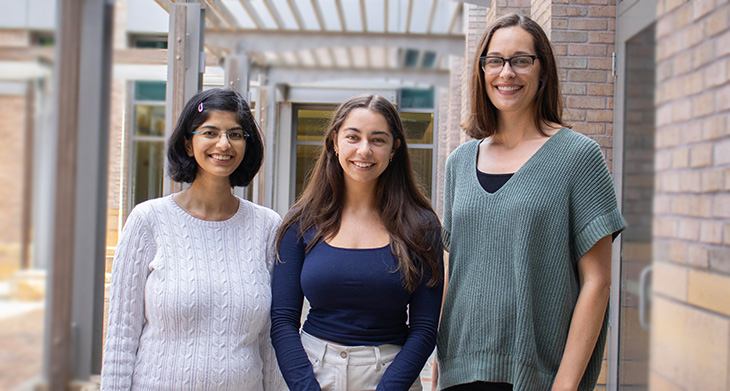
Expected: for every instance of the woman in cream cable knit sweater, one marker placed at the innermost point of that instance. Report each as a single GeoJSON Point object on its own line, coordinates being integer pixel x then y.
{"type": "Point", "coordinates": [190, 293]}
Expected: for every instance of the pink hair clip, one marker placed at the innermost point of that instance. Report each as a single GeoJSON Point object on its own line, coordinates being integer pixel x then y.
{"type": "Point", "coordinates": [200, 107]}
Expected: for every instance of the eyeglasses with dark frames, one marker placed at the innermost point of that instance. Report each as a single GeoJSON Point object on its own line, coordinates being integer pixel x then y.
{"type": "Point", "coordinates": [492, 65]}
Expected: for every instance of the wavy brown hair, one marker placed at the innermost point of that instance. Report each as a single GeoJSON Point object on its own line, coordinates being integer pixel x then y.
{"type": "Point", "coordinates": [405, 212]}
{"type": "Point", "coordinates": [482, 120]}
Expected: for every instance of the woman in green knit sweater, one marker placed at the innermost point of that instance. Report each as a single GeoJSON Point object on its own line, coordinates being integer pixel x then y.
{"type": "Point", "coordinates": [529, 216]}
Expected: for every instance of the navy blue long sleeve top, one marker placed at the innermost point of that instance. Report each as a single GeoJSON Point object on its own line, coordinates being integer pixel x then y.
{"type": "Point", "coordinates": [357, 297]}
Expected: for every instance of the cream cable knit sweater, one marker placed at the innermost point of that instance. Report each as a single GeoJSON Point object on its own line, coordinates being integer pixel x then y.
{"type": "Point", "coordinates": [190, 301]}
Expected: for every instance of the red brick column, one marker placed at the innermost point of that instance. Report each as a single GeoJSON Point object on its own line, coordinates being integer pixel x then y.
{"type": "Point", "coordinates": [583, 37]}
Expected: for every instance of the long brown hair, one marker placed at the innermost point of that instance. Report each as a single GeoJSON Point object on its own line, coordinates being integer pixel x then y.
{"type": "Point", "coordinates": [405, 212]}
{"type": "Point", "coordinates": [482, 120]}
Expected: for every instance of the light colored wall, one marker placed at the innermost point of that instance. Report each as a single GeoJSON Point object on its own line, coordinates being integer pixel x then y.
{"type": "Point", "coordinates": [690, 343]}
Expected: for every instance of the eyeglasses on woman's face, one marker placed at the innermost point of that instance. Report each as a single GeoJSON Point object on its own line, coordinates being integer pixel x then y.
{"type": "Point", "coordinates": [234, 136]}
{"type": "Point", "coordinates": [492, 65]}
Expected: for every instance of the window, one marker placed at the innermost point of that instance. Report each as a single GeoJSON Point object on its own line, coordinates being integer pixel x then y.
{"type": "Point", "coordinates": [310, 124]}
{"type": "Point", "coordinates": [148, 41]}
{"type": "Point", "coordinates": [418, 127]}
{"type": "Point", "coordinates": [417, 113]}
{"type": "Point", "coordinates": [148, 141]}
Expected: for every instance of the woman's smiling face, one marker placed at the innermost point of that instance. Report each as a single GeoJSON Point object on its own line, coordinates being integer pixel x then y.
{"type": "Point", "coordinates": [510, 91]}
{"type": "Point", "coordinates": [217, 156]}
{"type": "Point", "coordinates": [364, 144]}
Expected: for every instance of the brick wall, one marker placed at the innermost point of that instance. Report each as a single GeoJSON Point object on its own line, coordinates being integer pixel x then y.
{"type": "Point", "coordinates": [583, 37]}
{"type": "Point", "coordinates": [690, 344]}
{"type": "Point", "coordinates": [118, 162]}
{"type": "Point", "coordinates": [476, 23]}
{"type": "Point", "coordinates": [12, 133]}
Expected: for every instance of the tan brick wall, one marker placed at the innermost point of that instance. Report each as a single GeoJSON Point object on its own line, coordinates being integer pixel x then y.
{"type": "Point", "coordinates": [12, 133]}
{"type": "Point", "coordinates": [690, 343]}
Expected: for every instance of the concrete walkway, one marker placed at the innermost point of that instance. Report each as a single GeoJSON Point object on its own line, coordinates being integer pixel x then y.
{"type": "Point", "coordinates": [21, 342]}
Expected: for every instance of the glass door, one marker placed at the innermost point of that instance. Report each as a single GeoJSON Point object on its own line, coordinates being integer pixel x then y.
{"type": "Point", "coordinates": [634, 175]}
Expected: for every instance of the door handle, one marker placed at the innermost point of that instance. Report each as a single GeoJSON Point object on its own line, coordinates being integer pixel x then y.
{"type": "Point", "coordinates": [643, 297]}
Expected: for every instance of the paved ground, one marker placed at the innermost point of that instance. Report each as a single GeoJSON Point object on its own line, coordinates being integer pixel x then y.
{"type": "Point", "coordinates": [21, 341]}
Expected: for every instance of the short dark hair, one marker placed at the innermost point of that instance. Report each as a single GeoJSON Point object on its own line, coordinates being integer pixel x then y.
{"type": "Point", "coordinates": [482, 119]}
{"type": "Point", "coordinates": [183, 168]}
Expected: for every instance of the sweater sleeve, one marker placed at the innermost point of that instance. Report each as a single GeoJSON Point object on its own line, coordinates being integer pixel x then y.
{"type": "Point", "coordinates": [593, 206]}
{"type": "Point", "coordinates": [448, 200]}
{"type": "Point", "coordinates": [286, 312]}
{"type": "Point", "coordinates": [272, 375]}
{"type": "Point", "coordinates": [424, 308]}
{"type": "Point", "coordinates": [135, 251]}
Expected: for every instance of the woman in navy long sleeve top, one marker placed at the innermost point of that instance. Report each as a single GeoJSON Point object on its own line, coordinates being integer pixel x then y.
{"type": "Point", "coordinates": [363, 246]}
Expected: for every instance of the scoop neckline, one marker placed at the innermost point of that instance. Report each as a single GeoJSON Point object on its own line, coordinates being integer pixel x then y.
{"type": "Point", "coordinates": [356, 249]}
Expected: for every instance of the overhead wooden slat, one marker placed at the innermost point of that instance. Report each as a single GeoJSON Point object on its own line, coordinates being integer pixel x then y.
{"type": "Point", "coordinates": [312, 74]}
{"type": "Point", "coordinates": [224, 13]}
{"type": "Point", "coordinates": [280, 58]}
{"type": "Point", "coordinates": [331, 53]}
{"type": "Point", "coordinates": [257, 57]}
{"type": "Point", "coordinates": [274, 14]}
{"type": "Point", "coordinates": [409, 16]}
{"type": "Point", "coordinates": [246, 4]}
{"type": "Point", "coordinates": [288, 40]}
{"type": "Point", "coordinates": [368, 63]}
{"type": "Point", "coordinates": [429, 27]}
{"type": "Point", "coordinates": [385, 16]}
{"type": "Point", "coordinates": [341, 15]}
{"type": "Point", "coordinates": [212, 51]}
{"type": "Point", "coordinates": [315, 57]}
{"type": "Point", "coordinates": [318, 14]}
{"type": "Point", "coordinates": [213, 18]}
{"type": "Point", "coordinates": [363, 16]}
{"type": "Point", "coordinates": [297, 59]}
{"type": "Point", "coordinates": [297, 14]}
{"type": "Point", "coordinates": [350, 57]}
{"type": "Point", "coordinates": [454, 18]}
{"type": "Point", "coordinates": [165, 4]}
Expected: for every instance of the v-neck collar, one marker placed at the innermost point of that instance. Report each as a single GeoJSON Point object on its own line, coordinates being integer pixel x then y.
{"type": "Point", "coordinates": [533, 160]}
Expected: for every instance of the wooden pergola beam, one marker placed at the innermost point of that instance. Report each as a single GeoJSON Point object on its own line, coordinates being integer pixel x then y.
{"type": "Point", "coordinates": [290, 40]}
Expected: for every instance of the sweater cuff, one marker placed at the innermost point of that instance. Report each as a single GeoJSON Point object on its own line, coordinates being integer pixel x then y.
{"type": "Point", "coordinates": [610, 223]}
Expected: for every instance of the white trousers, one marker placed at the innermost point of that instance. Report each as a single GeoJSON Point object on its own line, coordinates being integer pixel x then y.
{"type": "Point", "coordinates": [350, 368]}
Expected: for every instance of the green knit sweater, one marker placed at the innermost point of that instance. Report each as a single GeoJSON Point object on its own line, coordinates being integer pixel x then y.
{"type": "Point", "coordinates": [513, 254]}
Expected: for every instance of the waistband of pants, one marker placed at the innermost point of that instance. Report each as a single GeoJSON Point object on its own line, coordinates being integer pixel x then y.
{"type": "Point", "coordinates": [332, 353]}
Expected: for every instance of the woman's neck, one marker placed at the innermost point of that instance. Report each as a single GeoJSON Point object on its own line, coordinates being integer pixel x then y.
{"type": "Point", "coordinates": [208, 201]}
{"type": "Point", "coordinates": [360, 197]}
{"type": "Point", "coordinates": [517, 127]}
